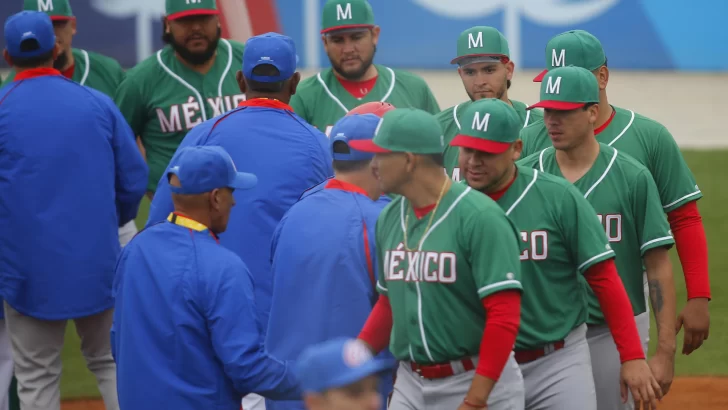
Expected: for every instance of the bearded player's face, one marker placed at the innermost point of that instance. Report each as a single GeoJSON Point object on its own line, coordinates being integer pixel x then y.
{"type": "Point", "coordinates": [351, 52]}
{"type": "Point", "coordinates": [64, 30]}
{"type": "Point", "coordinates": [194, 38]}
{"type": "Point", "coordinates": [569, 128]}
{"type": "Point", "coordinates": [486, 80]}
{"type": "Point", "coordinates": [390, 170]}
{"type": "Point", "coordinates": [484, 171]}
{"type": "Point", "coordinates": [361, 395]}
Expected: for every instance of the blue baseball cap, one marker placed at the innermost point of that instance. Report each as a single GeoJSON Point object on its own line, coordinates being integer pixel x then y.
{"type": "Point", "coordinates": [337, 363]}
{"type": "Point", "coordinates": [270, 48]}
{"type": "Point", "coordinates": [29, 34]}
{"type": "Point", "coordinates": [350, 128]}
{"type": "Point", "coordinates": [205, 168]}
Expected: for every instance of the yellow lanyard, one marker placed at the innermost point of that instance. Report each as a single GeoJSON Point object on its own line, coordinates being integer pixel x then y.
{"type": "Point", "coordinates": [186, 222]}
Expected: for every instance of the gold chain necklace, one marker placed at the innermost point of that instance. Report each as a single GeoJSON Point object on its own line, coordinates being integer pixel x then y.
{"type": "Point", "coordinates": [429, 223]}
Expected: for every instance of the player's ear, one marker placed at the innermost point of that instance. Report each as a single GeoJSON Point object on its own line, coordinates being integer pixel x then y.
{"type": "Point", "coordinates": [7, 58]}
{"type": "Point", "coordinates": [293, 85]}
{"type": "Point", "coordinates": [241, 81]}
{"type": "Point", "coordinates": [73, 26]}
{"type": "Point", "coordinates": [215, 199]}
{"type": "Point", "coordinates": [602, 75]}
{"type": "Point", "coordinates": [57, 51]}
{"type": "Point", "coordinates": [375, 34]}
{"type": "Point", "coordinates": [510, 67]}
{"type": "Point", "coordinates": [593, 113]}
{"type": "Point", "coordinates": [517, 149]}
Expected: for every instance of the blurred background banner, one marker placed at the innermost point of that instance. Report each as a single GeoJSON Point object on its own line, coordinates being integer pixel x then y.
{"type": "Point", "coordinates": [637, 34]}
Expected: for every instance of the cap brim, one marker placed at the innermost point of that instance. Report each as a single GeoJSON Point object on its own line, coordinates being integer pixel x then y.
{"type": "Point", "coordinates": [367, 146]}
{"type": "Point", "coordinates": [62, 18]}
{"type": "Point", "coordinates": [243, 180]}
{"type": "Point", "coordinates": [540, 76]}
{"type": "Point", "coordinates": [373, 367]}
{"type": "Point", "coordinates": [499, 56]}
{"type": "Point", "coordinates": [557, 105]}
{"type": "Point", "coordinates": [480, 144]}
{"type": "Point", "coordinates": [197, 12]}
{"type": "Point", "coordinates": [349, 27]}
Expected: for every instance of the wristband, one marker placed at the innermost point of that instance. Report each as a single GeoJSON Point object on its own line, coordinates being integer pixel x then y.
{"type": "Point", "coordinates": [475, 406]}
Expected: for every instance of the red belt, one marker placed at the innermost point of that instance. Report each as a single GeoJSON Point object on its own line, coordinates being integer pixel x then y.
{"type": "Point", "coordinates": [525, 356]}
{"type": "Point", "coordinates": [439, 371]}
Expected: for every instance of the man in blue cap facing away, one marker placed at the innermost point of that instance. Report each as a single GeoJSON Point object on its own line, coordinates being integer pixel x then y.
{"type": "Point", "coordinates": [185, 335]}
{"type": "Point", "coordinates": [71, 175]}
{"type": "Point", "coordinates": [324, 258]}
{"type": "Point", "coordinates": [268, 139]}
{"type": "Point", "coordinates": [341, 374]}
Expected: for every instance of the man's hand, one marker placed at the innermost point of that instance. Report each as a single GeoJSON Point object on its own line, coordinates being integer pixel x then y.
{"type": "Point", "coordinates": [473, 405]}
{"type": "Point", "coordinates": [695, 318]}
{"type": "Point", "coordinates": [637, 378]}
{"type": "Point", "coordinates": [663, 369]}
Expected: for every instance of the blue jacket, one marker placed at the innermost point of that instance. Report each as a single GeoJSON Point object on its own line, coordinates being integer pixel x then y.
{"type": "Point", "coordinates": [70, 175]}
{"type": "Point", "coordinates": [184, 335]}
{"type": "Point", "coordinates": [287, 155]}
{"type": "Point", "coordinates": [324, 273]}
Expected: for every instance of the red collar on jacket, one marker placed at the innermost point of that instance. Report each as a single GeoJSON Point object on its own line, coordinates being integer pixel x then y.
{"type": "Point", "coordinates": [36, 72]}
{"type": "Point", "coordinates": [266, 103]}
{"type": "Point", "coordinates": [345, 186]}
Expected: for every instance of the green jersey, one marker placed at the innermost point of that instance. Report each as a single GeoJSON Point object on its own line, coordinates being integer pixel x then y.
{"type": "Point", "coordinates": [162, 99]}
{"type": "Point", "coordinates": [562, 240]}
{"type": "Point", "coordinates": [647, 141]}
{"type": "Point", "coordinates": [435, 289]}
{"type": "Point", "coordinates": [626, 200]}
{"type": "Point", "coordinates": [450, 121]}
{"type": "Point", "coordinates": [321, 100]}
{"type": "Point", "coordinates": [93, 70]}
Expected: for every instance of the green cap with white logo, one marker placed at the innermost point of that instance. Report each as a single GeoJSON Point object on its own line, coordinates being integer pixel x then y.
{"type": "Point", "coordinates": [184, 8]}
{"type": "Point", "coordinates": [405, 130]}
{"type": "Point", "coordinates": [481, 44]}
{"type": "Point", "coordinates": [568, 88]}
{"type": "Point", "coordinates": [346, 15]}
{"type": "Point", "coordinates": [489, 125]}
{"type": "Point", "coordinates": [576, 47]}
{"type": "Point", "coordinates": [58, 10]}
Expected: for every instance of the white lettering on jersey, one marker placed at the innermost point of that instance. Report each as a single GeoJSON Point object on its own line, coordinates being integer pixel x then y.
{"type": "Point", "coordinates": [475, 42]}
{"type": "Point", "coordinates": [395, 272]}
{"type": "Point", "coordinates": [422, 266]}
{"type": "Point", "coordinates": [455, 174]}
{"type": "Point", "coordinates": [237, 99]}
{"type": "Point", "coordinates": [560, 60]}
{"type": "Point", "coordinates": [172, 123]}
{"type": "Point", "coordinates": [46, 5]}
{"type": "Point", "coordinates": [217, 105]}
{"type": "Point", "coordinates": [345, 13]}
{"type": "Point", "coordinates": [553, 87]}
{"type": "Point", "coordinates": [612, 224]}
{"type": "Point", "coordinates": [537, 248]}
{"type": "Point", "coordinates": [481, 125]}
{"type": "Point", "coordinates": [191, 109]}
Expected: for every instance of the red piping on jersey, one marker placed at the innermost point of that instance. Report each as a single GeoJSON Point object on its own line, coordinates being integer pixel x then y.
{"type": "Point", "coordinates": [606, 124]}
{"type": "Point", "coordinates": [609, 289]}
{"type": "Point", "coordinates": [266, 103]}
{"type": "Point", "coordinates": [36, 72]}
{"type": "Point", "coordinates": [499, 194]}
{"type": "Point", "coordinates": [345, 186]}
{"type": "Point", "coordinates": [420, 212]}
{"type": "Point", "coordinates": [358, 89]}
{"type": "Point", "coordinates": [263, 16]}
{"type": "Point", "coordinates": [692, 248]}
{"type": "Point", "coordinates": [378, 327]}
{"type": "Point", "coordinates": [368, 254]}
{"type": "Point", "coordinates": [68, 73]}
{"type": "Point", "coordinates": [503, 311]}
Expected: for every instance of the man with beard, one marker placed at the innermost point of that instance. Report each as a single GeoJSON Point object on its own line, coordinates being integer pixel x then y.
{"type": "Point", "coordinates": [350, 39]}
{"type": "Point", "coordinates": [486, 69]}
{"type": "Point", "coordinates": [189, 81]}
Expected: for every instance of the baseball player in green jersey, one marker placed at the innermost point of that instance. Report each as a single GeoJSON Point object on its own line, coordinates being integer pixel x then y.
{"type": "Point", "coordinates": [564, 245]}
{"type": "Point", "coordinates": [189, 81]}
{"type": "Point", "coordinates": [84, 67]}
{"type": "Point", "coordinates": [484, 66]}
{"type": "Point", "coordinates": [350, 39]}
{"type": "Point", "coordinates": [650, 143]}
{"type": "Point", "coordinates": [449, 277]}
{"type": "Point", "coordinates": [627, 201]}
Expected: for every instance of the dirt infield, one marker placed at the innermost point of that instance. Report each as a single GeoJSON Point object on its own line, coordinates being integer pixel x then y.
{"type": "Point", "coordinates": [687, 393]}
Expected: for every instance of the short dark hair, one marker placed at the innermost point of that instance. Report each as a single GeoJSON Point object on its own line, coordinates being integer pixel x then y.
{"type": "Point", "coordinates": [508, 84]}
{"type": "Point", "coordinates": [587, 105]}
{"type": "Point", "coordinates": [265, 70]}
{"type": "Point", "coordinates": [437, 159]}
{"type": "Point", "coordinates": [32, 44]}
{"type": "Point", "coordinates": [340, 147]}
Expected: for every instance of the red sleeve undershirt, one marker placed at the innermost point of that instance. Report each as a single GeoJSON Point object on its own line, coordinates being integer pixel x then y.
{"type": "Point", "coordinates": [692, 248]}
{"type": "Point", "coordinates": [378, 328]}
{"type": "Point", "coordinates": [617, 309]}
{"type": "Point", "coordinates": [503, 311]}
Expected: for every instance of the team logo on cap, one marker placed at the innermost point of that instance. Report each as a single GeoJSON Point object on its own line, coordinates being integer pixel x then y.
{"type": "Point", "coordinates": [356, 353]}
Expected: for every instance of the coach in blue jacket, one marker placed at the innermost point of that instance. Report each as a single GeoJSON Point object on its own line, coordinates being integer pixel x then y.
{"type": "Point", "coordinates": [70, 175]}
{"type": "Point", "coordinates": [185, 335]}
{"type": "Point", "coordinates": [324, 257]}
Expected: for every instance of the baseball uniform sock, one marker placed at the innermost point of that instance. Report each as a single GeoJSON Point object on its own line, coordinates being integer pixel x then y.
{"type": "Point", "coordinates": [692, 248]}
{"type": "Point", "coordinates": [378, 327]}
{"type": "Point", "coordinates": [617, 309]}
{"type": "Point", "coordinates": [503, 310]}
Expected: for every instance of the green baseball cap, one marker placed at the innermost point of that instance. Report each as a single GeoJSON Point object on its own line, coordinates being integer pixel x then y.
{"type": "Point", "coordinates": [346, 15]}
{"type": "Point", "coordinates": [576, 47]}
{"type": "Point", "coordinates": [579, 88]}
{"type": "Point", "coordinates": [481, 43]}
{"type": "Point", "coordinates": [183, 8]}
{"type": "Point", "coordinates": [405, 130]}
{"type": "Point", "coordinates": [58, 10]}
{"type": "Point", "coordinates": [489, 125]}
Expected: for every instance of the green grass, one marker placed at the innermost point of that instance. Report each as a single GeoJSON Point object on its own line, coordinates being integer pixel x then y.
{"type": "Point", "coordinates": [709, 168]}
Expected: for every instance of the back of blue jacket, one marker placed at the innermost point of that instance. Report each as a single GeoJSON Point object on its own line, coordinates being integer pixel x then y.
{"type": "Point", "coordinates": [324, 274]}
{"type": "Point", "coordinates": [287, 155]}
{"type": "Point", "coordinates": [70, 175]}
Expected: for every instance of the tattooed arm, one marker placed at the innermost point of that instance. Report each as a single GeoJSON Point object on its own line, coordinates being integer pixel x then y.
{"type": "Point", "coordinates": [662, 299]}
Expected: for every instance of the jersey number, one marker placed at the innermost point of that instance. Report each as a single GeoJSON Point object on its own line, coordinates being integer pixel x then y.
{"type": "Point", "coordinates": [537, 247]}
{"type": "Point", "coordinates": [612, 224]}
